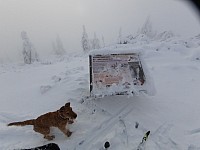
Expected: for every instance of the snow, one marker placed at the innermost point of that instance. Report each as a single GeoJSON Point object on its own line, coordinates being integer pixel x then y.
{"type": "Point", "coordinates": [171, 115]}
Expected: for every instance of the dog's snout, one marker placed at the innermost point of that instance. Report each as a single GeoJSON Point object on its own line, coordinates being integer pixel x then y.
{"type": "Point", "coordinates": [75, 115]}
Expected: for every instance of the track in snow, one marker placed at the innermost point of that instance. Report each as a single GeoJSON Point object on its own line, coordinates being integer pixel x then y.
{"type": "Point", "coordinates": [103, 128]}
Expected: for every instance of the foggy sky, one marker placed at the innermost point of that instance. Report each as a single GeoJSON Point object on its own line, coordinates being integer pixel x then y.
{"type": "Point", "coordinates": [43, 20]}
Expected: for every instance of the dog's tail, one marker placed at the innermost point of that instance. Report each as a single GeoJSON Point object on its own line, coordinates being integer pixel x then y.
{"type": "Point", "coordinates": [23, 123]}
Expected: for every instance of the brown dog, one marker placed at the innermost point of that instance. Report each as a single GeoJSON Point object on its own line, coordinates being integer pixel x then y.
{"type": "Point", "coordinates": [59, 118]}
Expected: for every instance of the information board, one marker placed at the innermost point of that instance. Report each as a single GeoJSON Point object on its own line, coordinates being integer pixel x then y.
{"type": "Point", "coordinates": [115, 73]}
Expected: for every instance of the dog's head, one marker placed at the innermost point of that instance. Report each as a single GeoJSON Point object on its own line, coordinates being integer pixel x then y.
{"type": "Point", "coordinates": [66, 112]}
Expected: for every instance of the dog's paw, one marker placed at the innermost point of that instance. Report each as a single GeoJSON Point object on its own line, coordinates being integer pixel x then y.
{"type": "Point", "coordinates": [69, 133]}
{"type": "Point", "coordinates": [53, 136]}
{"type": "Point", "coordinates": [49, 137]}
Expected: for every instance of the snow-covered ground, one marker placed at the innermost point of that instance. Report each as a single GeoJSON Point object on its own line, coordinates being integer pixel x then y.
{"type": "Point", "coordinates": [172, 115]}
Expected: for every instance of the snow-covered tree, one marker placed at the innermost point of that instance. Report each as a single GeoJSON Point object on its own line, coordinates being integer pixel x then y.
{"type": "Point", "coordinates": [29, 53]}
{"type": "Point", "coordinates": [120, 36]}
{"type": "Point", "coordinates": [58, 46]}
{"type": "Point", "coordinates": [54, 47]}
{"type": "Point", "coordinates": [85, 41]}
{"type": "Point", "coordinates": [147, 29]}
{"type": "Point", "coordinates": [165, 35]}
{"type": "Point", "coordinates": [103, 41]}
{"type": "Point", "coordinates": [95, 42]}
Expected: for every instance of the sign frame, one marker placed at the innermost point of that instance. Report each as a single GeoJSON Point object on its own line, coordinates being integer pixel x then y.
{"type": "Point", "coordinates": [116, 69]}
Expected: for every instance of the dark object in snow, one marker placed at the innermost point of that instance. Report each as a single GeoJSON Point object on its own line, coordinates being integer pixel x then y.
{"type": "Point", "coordinates": [144, 139]}
{"type": "Point", "coordinates": [81, 142]}
{"type": "Point", "coordinates": [106, 145]}
{"type": "Point", "coordinates": [136, 125]}
{"type": "Point", "coordinates": [50, 146]}
{"type": "Point", "coordinates": [146, 136]}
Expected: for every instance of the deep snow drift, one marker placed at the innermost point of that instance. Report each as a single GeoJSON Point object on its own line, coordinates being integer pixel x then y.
{"type": "Point", "coordinates": [172, 115]}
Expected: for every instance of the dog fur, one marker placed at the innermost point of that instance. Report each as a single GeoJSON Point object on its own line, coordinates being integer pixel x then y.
{"type": "Point", "coordinates": [60, 119]}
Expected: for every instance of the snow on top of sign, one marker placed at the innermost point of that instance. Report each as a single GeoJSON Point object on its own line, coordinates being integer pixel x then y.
{"type": "Point", "coordinates": [148, 87]}
{"type": "Point", "coordinates": [116, 49]}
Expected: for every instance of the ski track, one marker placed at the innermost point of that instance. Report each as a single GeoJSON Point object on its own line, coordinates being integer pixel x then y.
{"type": "Point", "coordinates": [89, 102]}
{"type": "Point", "coordinates": [124, 130]}
{"type": "Point", "coordinates": [195, 131]}
{"type": "Point", "coordinates": [103, 128]}
{"type": "Point", "coordinates": [162, 139]}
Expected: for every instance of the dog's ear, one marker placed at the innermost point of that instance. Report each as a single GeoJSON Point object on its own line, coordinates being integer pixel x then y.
{"type": "Point", "coordinates": [62, 108]}
{"type": "Point", "coordinates": [67, 104]}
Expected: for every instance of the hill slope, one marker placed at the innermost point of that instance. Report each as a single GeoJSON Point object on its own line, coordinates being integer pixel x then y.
{"type": "Point", "coordinates": [28, 91]}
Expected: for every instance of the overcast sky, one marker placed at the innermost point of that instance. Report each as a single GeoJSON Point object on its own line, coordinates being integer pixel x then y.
{"type": "Point", "coordinates": [43, 20]}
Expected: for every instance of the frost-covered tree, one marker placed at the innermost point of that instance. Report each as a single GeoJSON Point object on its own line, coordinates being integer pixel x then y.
{"type": "Point", "coordinates": [165, 35]}
{"type": "Point", "coordinates": [54, 47]}
{"type": "Point", "coordinates": [95, 42]}
{"type": "Point", "coordinates": [120, 36]}
{"type": "Point", "coordinates": [29, 53]}
{"type": "Point", "coordinates": [85, 41]}
{"type": "Point", "coordinates": [147, 29]}
{"type": "Point", "coordinates": [103, 41]}
{"type": "Point", "coordinates": [58, 46]}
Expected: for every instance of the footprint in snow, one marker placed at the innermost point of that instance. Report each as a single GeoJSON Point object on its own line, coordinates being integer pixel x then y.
{"type": "Point", "coordinates": [45, 88]}
{"type": "Point", "coordinates": [56, 78]}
